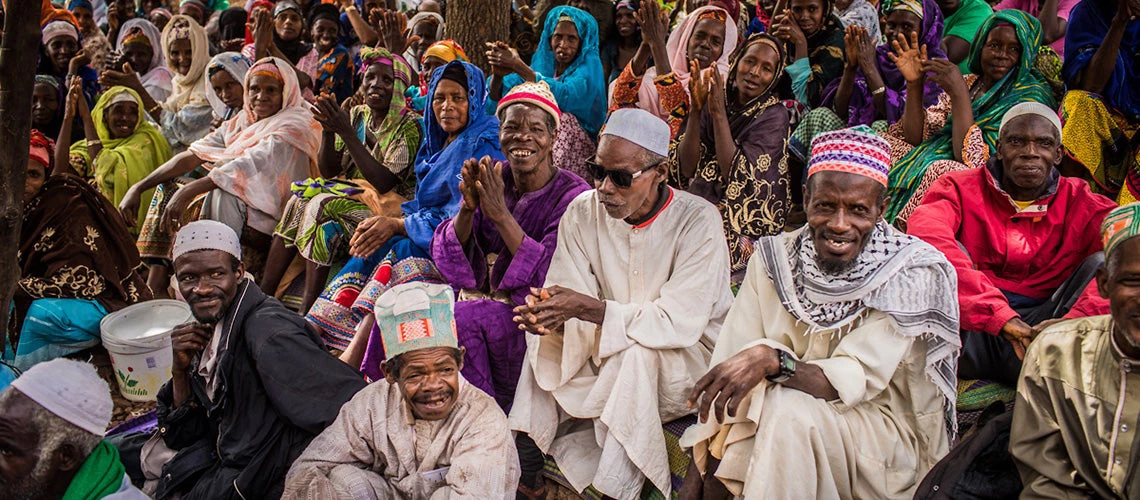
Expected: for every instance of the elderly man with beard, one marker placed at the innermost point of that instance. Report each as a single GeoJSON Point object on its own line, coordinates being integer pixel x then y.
{"type": "Point", "coordinates": [833, 376]}
{"type": "Point", "coordinates": [1023, 239]}
{"type": "Point", "coordinates": [634, 298]}
{"type": "Point", "coordinates": [52, 421]}
{"type": "Point", "coordinates": [251, 383]}
{"type": "Point", "coordinates": [422, 431]}
{"type": "Point", "coordinates": [1074, 423]}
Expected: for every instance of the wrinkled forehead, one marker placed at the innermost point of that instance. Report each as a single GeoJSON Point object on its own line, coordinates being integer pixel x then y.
{"type": "Point", "coordinates": [1030, 126]}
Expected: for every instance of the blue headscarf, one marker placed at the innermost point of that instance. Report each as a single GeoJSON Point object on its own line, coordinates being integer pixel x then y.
{"type": "Point", "coordinates": [581, 89]}
{"type": "Point", "coordinates": [438, 167]}
{"type": "Point", "coordinates": [75, 4]}
{"type": "Point", "coordinates": [1088, 26]}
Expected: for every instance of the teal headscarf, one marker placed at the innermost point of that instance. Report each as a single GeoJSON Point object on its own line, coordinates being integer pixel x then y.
{"type": "Point", "coordinates": [1021, 84]}
{"type": "Point", "coordinates": [581, 89]}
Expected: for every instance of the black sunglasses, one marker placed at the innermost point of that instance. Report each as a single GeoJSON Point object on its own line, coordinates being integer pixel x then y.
{"type": "Point", "coordinates": [620, 178]}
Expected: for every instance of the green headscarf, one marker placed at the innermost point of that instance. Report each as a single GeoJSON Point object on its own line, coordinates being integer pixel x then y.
{"type": "Point", "coordinates": [1021, 84]}
{"type": "Point", "coordinates": [124, 162]}
{"type": "Point", "coordinates": [100, 475]}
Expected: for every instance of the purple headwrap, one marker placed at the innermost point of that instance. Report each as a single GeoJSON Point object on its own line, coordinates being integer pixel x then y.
{"type": "Point", "coordinates": [861, 107]}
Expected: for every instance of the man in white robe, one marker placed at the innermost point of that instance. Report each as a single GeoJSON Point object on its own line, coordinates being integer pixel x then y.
{"type": "Point", "coordinates": [834, 374]}
{"type": "Point", "coordinates": [636, 292]}
{"type": "Point", "coordinates": [423, 431]}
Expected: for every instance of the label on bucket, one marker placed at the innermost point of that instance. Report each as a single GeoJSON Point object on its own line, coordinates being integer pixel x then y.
{"type": "Point", "coordinates": [150, 363]}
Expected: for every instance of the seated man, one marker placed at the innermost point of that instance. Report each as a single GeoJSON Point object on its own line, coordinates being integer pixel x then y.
{"type": "Point", "coordinates": [422, 431]}
{"type": "Point", "coordinates": [834, 374]}
{"type": "Point", "coordinates": [52, 421]}
{"type": "Point", "coordinates": [514, 214]}
{"type": "Point", "coordinates": [1074, 424]}
{"type": "Point", "coordinates": [251, 383]}
{"type": "Point", "coordinates": [1023, 240]}
{"type": "Point", "coordinates": [636, 293]}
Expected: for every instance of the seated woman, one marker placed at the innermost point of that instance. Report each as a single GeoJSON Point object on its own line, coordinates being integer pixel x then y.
{"type": "Point", "coordinates": [1102, 108]}
{"type": "Point", "coordinates": [624, 40]}
{"type": "Point", "coordinates": [380, 137]}
{"type": "Point", "coordinates": [510, 211]}
{"type": "Point", "coordinates": [284, 26]}
{"type": "Point", "coordinates": [813, 38]}
{"type": "Point", "coordinates": [437, 55]}
{"type": "Point", "coordinates": [429, 28]}
{"type": "Point", "coordinates": [252, 160]}
{"type": "Point", "coordinates": [456, 129]}
{"type": "Point", "coordinates": [704, 37]}
{"type": "Point", "coordinates": [60, 57]}
{"type": "Point", "coordinates": [185, 115]}
{"type": "Point", "coordinates": [121, 146]}
{"type": "Point", "coordinates": [566, 59]}
{"type": "Point", "coordinates": [95, 43]}
{"type": "Point", "coordinates": [872, 91]}
{"type": "Point", "coordinates": [333, 71]}
{"type": "Point", "coordinates": [226, 72]}
{"type": "Point", "coordinates": [77, 263]}
{"type": "Point", "coordinates": [48, 108]}
{"type": "Point", "coordinates": [733, 150]}
{"type": "Point", "coordinates": [140, 45]}
{"type": "Point", "coordinates": [961, 130]}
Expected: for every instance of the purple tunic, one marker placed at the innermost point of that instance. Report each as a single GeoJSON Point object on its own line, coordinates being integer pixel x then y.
{"type": "Point", "coordinates": [495, 345]}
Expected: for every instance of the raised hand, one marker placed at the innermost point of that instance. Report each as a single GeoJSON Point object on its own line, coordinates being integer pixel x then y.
{"type": "Point", "coordinates": [491, 190]}
{"type": "Point", "coordinates": [946, 75]}
{"type": "Point", "coordinates": [80, 60]}
{"type": "Point", "coordinates": [502, 58]}
{"type": "Point", "coordinates": [698, 89]}
{"type": "Point", "coordinates": [74, 97]}
{"type": "Point", "coordinates": [851, 46]}
{"type": "Point", "coordinates": [394, 32]}
{"type": "Point", "coordinates": [715, 83]}
{"type": "Point", "coordinates": [654, 22]}
{"type": "Point", "coordinates": [909, 57]}
{"type": "Point", "coordinates": [865, 51]}
{"type": "Point", "coordinates": [467, 187]}
{"type": "Point", "coordinates": [331, 116]}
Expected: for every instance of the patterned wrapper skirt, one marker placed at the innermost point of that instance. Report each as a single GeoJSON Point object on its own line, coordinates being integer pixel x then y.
{"type": "Point", "coordinates": [1105, 142]}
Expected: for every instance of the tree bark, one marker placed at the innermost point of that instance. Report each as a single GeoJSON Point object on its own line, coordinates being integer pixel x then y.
{"type": "Point", "coordinates": [17, 73]}
{"type": "Point", "coordinates": [475, 22]}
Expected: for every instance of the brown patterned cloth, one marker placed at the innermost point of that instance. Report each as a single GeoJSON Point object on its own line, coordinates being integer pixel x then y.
{"type": "Point", "coordinates": [75, 245]}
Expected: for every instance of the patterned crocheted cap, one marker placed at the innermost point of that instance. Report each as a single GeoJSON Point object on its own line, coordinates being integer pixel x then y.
{"type": "Point", "coordinates": [1121, 224]}
{"type": "Point", "coordinates": [41, 149]}
{"type": "Point", "coordinates": [535, 93]}
{"type": "Point", "coordinates": [416, 315]}
{"type": "Point", "coordinates": [855, 150]}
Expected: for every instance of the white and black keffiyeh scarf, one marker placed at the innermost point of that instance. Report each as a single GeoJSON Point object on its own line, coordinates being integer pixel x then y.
{"type": "Point", "coordinates": [896, 273]}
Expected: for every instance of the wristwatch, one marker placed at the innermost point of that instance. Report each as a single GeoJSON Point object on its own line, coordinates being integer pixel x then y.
{"type": "Point", "coordinates": [787, 367]}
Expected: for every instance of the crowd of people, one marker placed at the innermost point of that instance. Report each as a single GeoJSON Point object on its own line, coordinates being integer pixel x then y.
{"type": "Point", "coordinates": [692, 248]}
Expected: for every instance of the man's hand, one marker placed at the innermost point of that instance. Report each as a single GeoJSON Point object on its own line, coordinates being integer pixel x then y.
{"type": "Point", "coordinates": [547, 309]}
{"type": "Point", "coordinates": [492, 198]}
{"type": "Point", "coordinates": [729, 382]}
{"type": "Point", "coordinates": [1020, 334]}
{"type": "Point", "coordinates": [372, 234]}
{"type": "Point", "coordinates": [467, 186]}
{"type": "Point", "coordinates": [187, 341]}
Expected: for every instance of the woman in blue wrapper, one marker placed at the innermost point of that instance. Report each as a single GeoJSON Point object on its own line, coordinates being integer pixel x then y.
{"type": "Point", "coordinates": [567, 60]}
{"type": "Point", "coordinates": [456, 128]}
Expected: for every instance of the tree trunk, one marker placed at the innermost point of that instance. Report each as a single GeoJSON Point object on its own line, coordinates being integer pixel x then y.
{"type": "Point", "coordinates": [17, 73]}
{"type": "Point", "coordinates": [475, 22]}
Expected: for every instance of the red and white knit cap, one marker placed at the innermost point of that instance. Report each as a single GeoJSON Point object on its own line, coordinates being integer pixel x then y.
{"type": "Point", "coordinates": [535, 93]}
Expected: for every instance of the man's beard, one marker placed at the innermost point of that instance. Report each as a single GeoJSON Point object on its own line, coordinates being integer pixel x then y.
{"type": "Point", "coordinates": [32, 486]}
{"type": "Point", "coordinates": [835, 267]}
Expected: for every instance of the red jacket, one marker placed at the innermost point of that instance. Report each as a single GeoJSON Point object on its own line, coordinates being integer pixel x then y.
{"type": "Point", "coordinates": [1029, 253]}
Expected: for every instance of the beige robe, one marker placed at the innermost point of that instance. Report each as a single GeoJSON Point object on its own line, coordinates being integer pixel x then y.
{"type": "Point", "coordinates": [377, 449]}
{"type": "Point", "coordinates": [1076, 423]}
{"type": "Point", "coordinates": [878, 440]}
{"type": "Point", "coordinates": [665, 284]}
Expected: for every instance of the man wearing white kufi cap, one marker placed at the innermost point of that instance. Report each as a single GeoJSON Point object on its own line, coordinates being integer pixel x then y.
{"type": "Point", "coordinates": [52, 421]}
{"type": "Point", "coordinates": [1024, 240]}
{"type": "Point", "coordinates": [634, 299]}
{"type": "Point", "coordinates": [251, 381]}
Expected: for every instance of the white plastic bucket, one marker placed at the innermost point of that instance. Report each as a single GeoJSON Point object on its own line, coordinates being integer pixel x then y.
{"type": "Point", "coordinates": [138, 340]}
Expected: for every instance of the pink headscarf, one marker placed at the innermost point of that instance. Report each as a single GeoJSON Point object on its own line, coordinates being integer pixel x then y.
{"type": "Point", "coordinates": [677, 46]}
